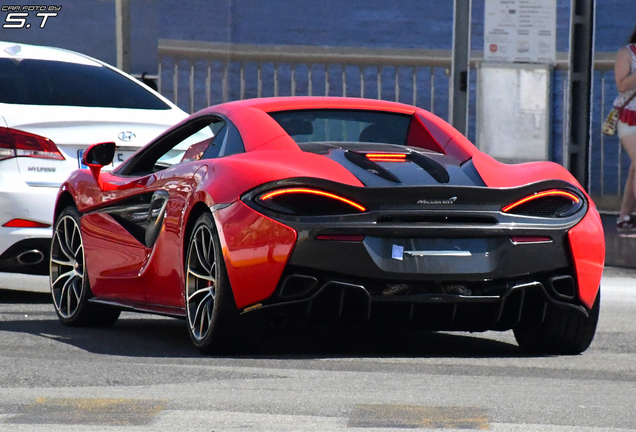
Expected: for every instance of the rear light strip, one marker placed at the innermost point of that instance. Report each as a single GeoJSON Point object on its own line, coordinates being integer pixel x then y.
{"type": "Point", "coordinates": [553, 192]}
{"type": "Point", "coordinates": [314, 192]}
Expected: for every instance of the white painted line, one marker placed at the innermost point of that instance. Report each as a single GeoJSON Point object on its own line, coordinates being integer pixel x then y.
{"type": "Point", "coordinates": [23, 282]}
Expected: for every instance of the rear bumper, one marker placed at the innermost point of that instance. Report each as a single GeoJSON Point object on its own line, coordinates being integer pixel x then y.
{"type": "Point", "coordinates": [346, 304]}
{"type": "Point", "coordinates": [498, 286]}
{"type": "Point", "coordinates": [428, 275]}
{"type": "Point", "coordinates": [434, 256]}
{"type": "Point", "coordinates": [19, 201]}
{"type": "Point", "coordinates": [452, 261]}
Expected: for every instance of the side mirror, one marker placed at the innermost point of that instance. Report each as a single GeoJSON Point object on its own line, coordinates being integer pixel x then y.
{"type": "Point", "coordinates": [97, 156]}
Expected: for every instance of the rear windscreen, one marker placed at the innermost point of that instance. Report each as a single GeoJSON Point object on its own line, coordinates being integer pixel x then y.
{"type": "Point", "coordinates": [329, 125]}
{"type": "Point", "coordinates": [44, 82]}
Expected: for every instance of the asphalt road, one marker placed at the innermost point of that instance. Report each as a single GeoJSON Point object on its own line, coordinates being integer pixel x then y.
{"type": "Point", "coordinates": [143, 375]}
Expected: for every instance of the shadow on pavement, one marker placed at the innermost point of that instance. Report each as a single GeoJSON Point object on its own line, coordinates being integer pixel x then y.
{"type": "Point", "coordinates": [137, 335]}
{"type": "Point", "coordinates": [11, 296]}
{"type": "Point", "coordinates": [386, 344]}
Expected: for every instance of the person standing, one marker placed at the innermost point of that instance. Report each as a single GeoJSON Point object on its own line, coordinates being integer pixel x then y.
{"type": "Point", "coordinates": [625, 75]}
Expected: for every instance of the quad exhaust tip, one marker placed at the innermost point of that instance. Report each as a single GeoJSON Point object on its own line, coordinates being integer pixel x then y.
{"type": "Point", "coordinates": [297, 286]}
{"type": "Point", "coordinates": [563, 287]}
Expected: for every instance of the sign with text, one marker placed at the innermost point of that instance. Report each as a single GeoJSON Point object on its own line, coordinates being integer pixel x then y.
{"type": "Point", "coordinates": [520, 31]}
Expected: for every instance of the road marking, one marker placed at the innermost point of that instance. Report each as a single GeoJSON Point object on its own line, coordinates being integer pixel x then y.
{"type": "Point", "coordinates": [409, 416]}
{"type": "Point", "coordinates": [113, 412]}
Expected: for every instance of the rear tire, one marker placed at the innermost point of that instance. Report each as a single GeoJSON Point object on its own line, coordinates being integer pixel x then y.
{"type": "Point", "coordinates": [211, 312]}
{"type": "Point", "coordinates": [564, 331]}
{"type": "Point", "coordinates": [68, 277]}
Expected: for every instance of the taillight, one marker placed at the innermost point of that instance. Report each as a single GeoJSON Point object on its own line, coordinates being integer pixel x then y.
{"type": "Point", "coordinates": [550, 203]}
{"type": "Point", "coordinates": [308, 202]}
{"type": "Point", "coordinates": [16, 143]}
{"type": "Point", "coordinates": [7, 149]}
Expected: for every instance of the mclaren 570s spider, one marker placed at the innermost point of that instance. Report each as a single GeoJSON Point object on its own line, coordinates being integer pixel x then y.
{"type": "Point", "coordinates": [318, 210]}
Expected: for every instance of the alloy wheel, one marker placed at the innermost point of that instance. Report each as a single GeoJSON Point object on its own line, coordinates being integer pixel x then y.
{"type": "Point", "coordinates": [201, 277]}
{"type": "Point", "coordinates": [67, 267]}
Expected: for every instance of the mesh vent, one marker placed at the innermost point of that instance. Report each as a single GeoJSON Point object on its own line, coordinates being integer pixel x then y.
{"type": "Point", "coordinates": [549, 206]}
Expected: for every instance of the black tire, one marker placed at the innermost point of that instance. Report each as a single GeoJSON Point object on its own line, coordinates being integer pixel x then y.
{"type": "Point", "coordinates": [68, 278]}
{"type": "Point", "coordinates": [564, 331]}
{"type": "Point", "coordinates": [211, 312]}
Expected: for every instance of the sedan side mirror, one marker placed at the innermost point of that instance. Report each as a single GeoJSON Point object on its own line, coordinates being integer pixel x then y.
{"type": "Point", "coordinates": [97, 156]}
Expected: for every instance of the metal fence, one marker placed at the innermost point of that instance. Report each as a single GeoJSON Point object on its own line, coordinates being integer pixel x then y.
{"type": "Point", "coordinates": [609, 164]}
{"type": "Point", "coordinates": [197, 74]}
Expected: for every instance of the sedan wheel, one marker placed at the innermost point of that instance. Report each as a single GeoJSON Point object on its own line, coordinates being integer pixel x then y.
{"type": "Point", "coordinates": [68, 279]}
{"type": "Point", "coordinates": [210, 308]}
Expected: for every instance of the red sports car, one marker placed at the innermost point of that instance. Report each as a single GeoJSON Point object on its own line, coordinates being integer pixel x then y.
{"type": "Point", "coordinates": [317, 210]}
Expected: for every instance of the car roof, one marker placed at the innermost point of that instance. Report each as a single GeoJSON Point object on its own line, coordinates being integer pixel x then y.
{"type": "Point", "coordinates": [251, 116]}
{"type": "Point", "coordinates": [21, 51]}
{"type": "Point", "coordinates": [290, 103]}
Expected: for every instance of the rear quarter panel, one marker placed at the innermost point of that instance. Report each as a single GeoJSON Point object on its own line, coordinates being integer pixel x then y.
{"type": "Point", "coordinates": [587, 240]}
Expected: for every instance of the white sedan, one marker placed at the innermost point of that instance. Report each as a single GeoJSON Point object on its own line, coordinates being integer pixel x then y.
{"type": "Point", "coordinates": [54, 103]}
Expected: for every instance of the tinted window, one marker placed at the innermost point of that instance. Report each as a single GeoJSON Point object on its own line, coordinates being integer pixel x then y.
{"type": "Point", "coordinates": [42, 82]}
{"type": "Point", "coordinates": [344, 125]}
{"type": "Point", "coordinates": [201, 138]}
{"type": "Point", "coordinates": [227, 141]}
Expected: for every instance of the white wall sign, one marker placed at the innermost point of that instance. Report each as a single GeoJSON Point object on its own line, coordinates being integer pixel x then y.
{"type": "Point", "coordinates": [521, 31]}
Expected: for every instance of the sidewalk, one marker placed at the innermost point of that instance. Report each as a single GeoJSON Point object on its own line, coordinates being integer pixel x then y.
{"type": "Point", "coordinates": [620, 249]}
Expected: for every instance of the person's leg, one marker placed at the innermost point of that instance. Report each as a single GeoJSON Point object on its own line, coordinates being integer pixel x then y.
{"type": "Point", "coordinates": [629, 199]}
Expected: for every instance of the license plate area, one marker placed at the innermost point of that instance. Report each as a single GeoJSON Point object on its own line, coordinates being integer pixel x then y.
{"type": "Point", "coordinates": [451, 256]}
